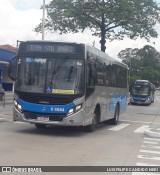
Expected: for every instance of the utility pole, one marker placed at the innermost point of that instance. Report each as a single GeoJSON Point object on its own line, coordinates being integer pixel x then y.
{"type": "Point", "coordinates": [129, 69]}
{"type": "Point", "coordinates": [43, 20]}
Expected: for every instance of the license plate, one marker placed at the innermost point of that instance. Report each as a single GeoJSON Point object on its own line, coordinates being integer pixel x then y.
{"type": "Point", "coordinates": [139, 102]}
{"type": "Point", "coordinates": [41, 118]}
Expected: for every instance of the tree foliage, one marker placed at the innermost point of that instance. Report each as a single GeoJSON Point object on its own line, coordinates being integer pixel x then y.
{"type": "Point", "coordinates": [107, 19]}
{"type": "Point", "coordinates": [144, 63]}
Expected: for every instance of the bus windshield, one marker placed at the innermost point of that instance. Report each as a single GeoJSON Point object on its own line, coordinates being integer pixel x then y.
{"type": "Point", "coordinates": [50, 75]}
{"type": "Point", "coordinates": [140, 89]}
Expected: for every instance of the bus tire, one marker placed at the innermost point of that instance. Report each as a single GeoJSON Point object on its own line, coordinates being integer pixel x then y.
{"type": "Point", "coordinates": [40, 126]}
{"type": "Point", "coordinates": [92, 127]}
{"type": "Point", "coordinates": [115, 120]}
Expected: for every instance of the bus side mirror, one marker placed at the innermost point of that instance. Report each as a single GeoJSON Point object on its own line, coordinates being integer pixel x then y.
{"type": "Point", "coordinates": [12, 68]}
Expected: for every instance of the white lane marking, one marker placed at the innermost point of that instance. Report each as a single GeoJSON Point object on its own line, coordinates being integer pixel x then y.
{"type": "Point", "coordinates": [146, 164]}
{"type": "Point", "coordinates": [18, 122]}
{"type": "Point", "coordinates": [150, 146]}
{"type": "Point", "coordinates": [147, 138]}
{"type": "Point", "coordinates": [148, 157]}
{"type": "Point", "coordinates": [141, 129]}
{"type": "Point", "coordinates": [149, 151]}
{"type": "Point", "coordinates": [119, 127]}
{"type": "Point", "coordinates": [4, 120]}
{"type": "Point", "coordinates": [150, 142]}
{"type": "Point", "coordinates": [137, 121]}
{"type": "Point", "coordinates": [144, 173]}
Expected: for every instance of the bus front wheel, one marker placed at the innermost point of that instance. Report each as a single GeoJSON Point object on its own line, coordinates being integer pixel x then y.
{"type": "Point", "coordinates": [92, 127]}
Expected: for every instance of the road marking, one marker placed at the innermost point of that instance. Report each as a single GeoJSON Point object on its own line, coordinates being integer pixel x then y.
{"type": "Point", "coordinates": [145, 113]}
{"type": "Point", "coordinates": [150, 146]}
{"type": "Point", "coordinates": [119, 127]}
{"type": "Point", "coordinates": [144, 173]}
{"type": "Point", "coordinates": [137, 121]}
{"type": "Point", "coordinates": [18, 122]}
{"type": "Point", "coordinates": [4, 120]}
{"type": "Point", "coordinates": [146, 164]}
{"type": "Point", "coordinates": [142, 129]}
{"type": "Point", "coordinates": [146, 138]}
{"type": "Point", "coordinates": [150, 142]}
{"type": "Point", "coordinates": [148, 157]}
{"type": "Point", "coordinates": [148, 151]}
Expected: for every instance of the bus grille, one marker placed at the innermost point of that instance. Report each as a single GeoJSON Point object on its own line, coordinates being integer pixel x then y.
{"type": "Point", "coordinates": [52, 117]}
{"type": "Point", "coordinates": [47, 98]}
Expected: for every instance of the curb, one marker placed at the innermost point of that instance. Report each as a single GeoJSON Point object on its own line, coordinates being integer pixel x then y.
{"type": "Point", "coordinates": [152, 133]}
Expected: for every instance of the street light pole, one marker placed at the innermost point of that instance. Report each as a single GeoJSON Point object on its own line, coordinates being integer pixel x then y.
{"type": "Point", "coordinates": [43, 20]}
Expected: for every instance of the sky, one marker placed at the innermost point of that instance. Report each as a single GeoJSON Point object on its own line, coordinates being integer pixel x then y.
{"type": "Point", "coordinates": [19, 18]}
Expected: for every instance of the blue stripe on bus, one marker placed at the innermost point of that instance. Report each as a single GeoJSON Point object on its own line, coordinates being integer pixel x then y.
{"type": "Point", "coordinates": [43, 108]}
{"type": "Point", "coordinates": [122, 99]}
{"type": "Point", "coordinates": [139, 98]}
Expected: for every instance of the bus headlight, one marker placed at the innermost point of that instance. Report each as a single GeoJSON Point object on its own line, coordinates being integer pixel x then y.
{"type": "Point", "coordinates": [75, 109]}
{"type": "Point", "coordinates": [78, 107]}
{"type": "Point", "coordinates": [71, 111]}
{"type": "Point", "coordinates": [147, 99]}
{"type": "Point", "coordinates": [131, 99]}
{"type": "Point", "coordinates": [15, 103]}
{"type": "Point", "coordinates": [18, 106]}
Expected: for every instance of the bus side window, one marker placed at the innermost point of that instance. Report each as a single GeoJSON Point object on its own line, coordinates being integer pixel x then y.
{"type": "Point", "coordinates": [100, 73]}
{"type": "Point", "coordinates": [113, 75]}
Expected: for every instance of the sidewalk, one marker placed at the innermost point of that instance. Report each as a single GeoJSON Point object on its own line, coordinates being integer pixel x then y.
{"type": "Point", "coordinates": [154, 128]}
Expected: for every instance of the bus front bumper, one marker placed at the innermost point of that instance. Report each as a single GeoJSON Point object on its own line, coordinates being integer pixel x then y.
{"type": "Point", "coordinates": [76, 119]}
{"type": "Point", "coordinates": [140, 101]}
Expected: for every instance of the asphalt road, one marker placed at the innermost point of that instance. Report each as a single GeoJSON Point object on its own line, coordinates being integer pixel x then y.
{"type": "Point", "coordinates": [22, 144]}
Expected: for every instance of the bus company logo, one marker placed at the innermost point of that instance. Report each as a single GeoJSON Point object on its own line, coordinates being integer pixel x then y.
{"type": "Point", "coordinates": [43, 108]}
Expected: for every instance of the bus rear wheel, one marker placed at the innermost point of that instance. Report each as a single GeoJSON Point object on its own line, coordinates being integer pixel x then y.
{"type": "Point", "coordinates": [115, 120]}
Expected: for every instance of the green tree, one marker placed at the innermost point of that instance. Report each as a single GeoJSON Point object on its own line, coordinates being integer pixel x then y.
{"type": "Point", "coordinates": [149, 56]}
{"type": "Point", "coordinates": [107, 19]}
{"type": "Point", "coordinates": [144, 63]}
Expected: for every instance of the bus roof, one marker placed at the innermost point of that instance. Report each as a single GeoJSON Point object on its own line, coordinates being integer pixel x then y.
{"type": "Point", "coordinates": [105, 56]}
{"type": "Point", "coordinates": [145, 81]}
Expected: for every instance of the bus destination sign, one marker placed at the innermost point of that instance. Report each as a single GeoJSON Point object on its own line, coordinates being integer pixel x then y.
{"type": "Point", "coordinates": [54, 48]}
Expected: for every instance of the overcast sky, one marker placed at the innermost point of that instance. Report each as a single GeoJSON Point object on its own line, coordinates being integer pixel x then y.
{"type": "Point", "coordinates": [20, 17]}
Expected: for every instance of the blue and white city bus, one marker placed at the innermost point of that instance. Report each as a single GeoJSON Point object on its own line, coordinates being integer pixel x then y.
{"type": "Point", "coordinates": [142, 92]}
{"type": "Point", "coordinates": [68, 84]}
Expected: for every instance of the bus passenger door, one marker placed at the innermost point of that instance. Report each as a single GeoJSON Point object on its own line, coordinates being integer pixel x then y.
{"type": "Point", "coordinates": [90, 87]}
